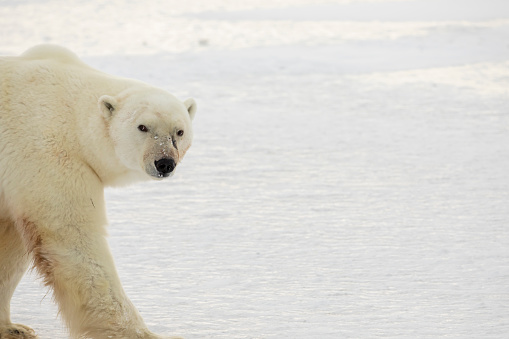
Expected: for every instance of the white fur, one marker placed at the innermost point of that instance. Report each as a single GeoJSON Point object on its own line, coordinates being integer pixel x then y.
{"type": "Point", "coordinates": [66, 132]}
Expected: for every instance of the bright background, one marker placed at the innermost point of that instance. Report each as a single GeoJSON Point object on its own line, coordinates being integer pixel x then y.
{"type": "Point", "coordinates": [349, 176]}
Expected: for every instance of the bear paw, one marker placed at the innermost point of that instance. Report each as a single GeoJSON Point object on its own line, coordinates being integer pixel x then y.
{"type": "Point", "coordinates": [16, 331]}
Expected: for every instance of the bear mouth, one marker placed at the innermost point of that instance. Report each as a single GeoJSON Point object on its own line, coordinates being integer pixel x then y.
{"type": "Point", "coordinates": [164, 175]}
{"type": "Point", "coordinates": [158, 175]}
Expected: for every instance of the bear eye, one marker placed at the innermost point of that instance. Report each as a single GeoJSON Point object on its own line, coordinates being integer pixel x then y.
{"type": "Point", "coordinates": [143, 128]}
{"type": "Point", "coordinates": [180, 132]}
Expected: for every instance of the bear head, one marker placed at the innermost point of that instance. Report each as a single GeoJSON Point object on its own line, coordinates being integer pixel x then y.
{"type": "Point", "coordinates": [150, 129]}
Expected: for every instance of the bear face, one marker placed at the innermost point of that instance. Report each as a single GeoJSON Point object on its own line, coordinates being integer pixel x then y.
{"type": "Point", "coordinates": [151, 130]}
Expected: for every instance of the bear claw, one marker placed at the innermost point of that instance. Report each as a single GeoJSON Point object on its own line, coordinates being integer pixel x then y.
{"type": "Point", "coordinates": [17, 331]}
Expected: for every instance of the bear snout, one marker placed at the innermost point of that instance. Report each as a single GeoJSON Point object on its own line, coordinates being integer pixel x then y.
{"type": "Point", "coordinates": [165, 166]}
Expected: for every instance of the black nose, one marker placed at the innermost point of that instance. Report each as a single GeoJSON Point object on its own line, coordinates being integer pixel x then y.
{"type": "Point", "coordinates": [165, 165]}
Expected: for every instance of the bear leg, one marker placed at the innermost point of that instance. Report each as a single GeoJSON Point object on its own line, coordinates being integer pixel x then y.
{"type": "Point", "coordinates": [14, 261]}
{"type": "Point", "coordinates": [79, 268]}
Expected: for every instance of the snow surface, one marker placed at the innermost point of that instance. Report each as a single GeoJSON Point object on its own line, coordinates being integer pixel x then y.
{"type": "Point", "coordinates": [349, 176]}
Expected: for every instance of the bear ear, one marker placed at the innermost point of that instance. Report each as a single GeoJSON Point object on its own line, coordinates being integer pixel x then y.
{"type": "Point", "coordinates": [191, 107]}
{"type": "Point", "coordinates": [108, 105]}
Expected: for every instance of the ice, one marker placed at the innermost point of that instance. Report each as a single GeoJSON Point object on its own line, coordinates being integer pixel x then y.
{"type": "Point", "coordinates": [348, 174]}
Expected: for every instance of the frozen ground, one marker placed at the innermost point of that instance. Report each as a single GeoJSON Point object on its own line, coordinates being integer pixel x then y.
{"type": "Point", "coordinates": [349, 176]}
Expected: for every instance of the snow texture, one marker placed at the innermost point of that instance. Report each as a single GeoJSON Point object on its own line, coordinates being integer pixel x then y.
{"type": "Point", "coordinates": [349, 176]}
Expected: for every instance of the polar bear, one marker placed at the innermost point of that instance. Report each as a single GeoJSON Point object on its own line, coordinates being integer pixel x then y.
{"type": "Point", "coordinates": [66, 132]}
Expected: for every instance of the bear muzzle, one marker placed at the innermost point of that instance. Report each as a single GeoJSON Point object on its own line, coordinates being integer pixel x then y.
{"type": "Point", "coordinates": [165, 166]}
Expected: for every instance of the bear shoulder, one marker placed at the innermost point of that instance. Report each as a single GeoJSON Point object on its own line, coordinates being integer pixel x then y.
{"type": "Point", "coordinates": [52, 52]}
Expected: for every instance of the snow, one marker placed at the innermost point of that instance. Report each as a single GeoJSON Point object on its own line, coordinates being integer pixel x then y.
{"type": "Point", "coordinates": [348, 176]}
